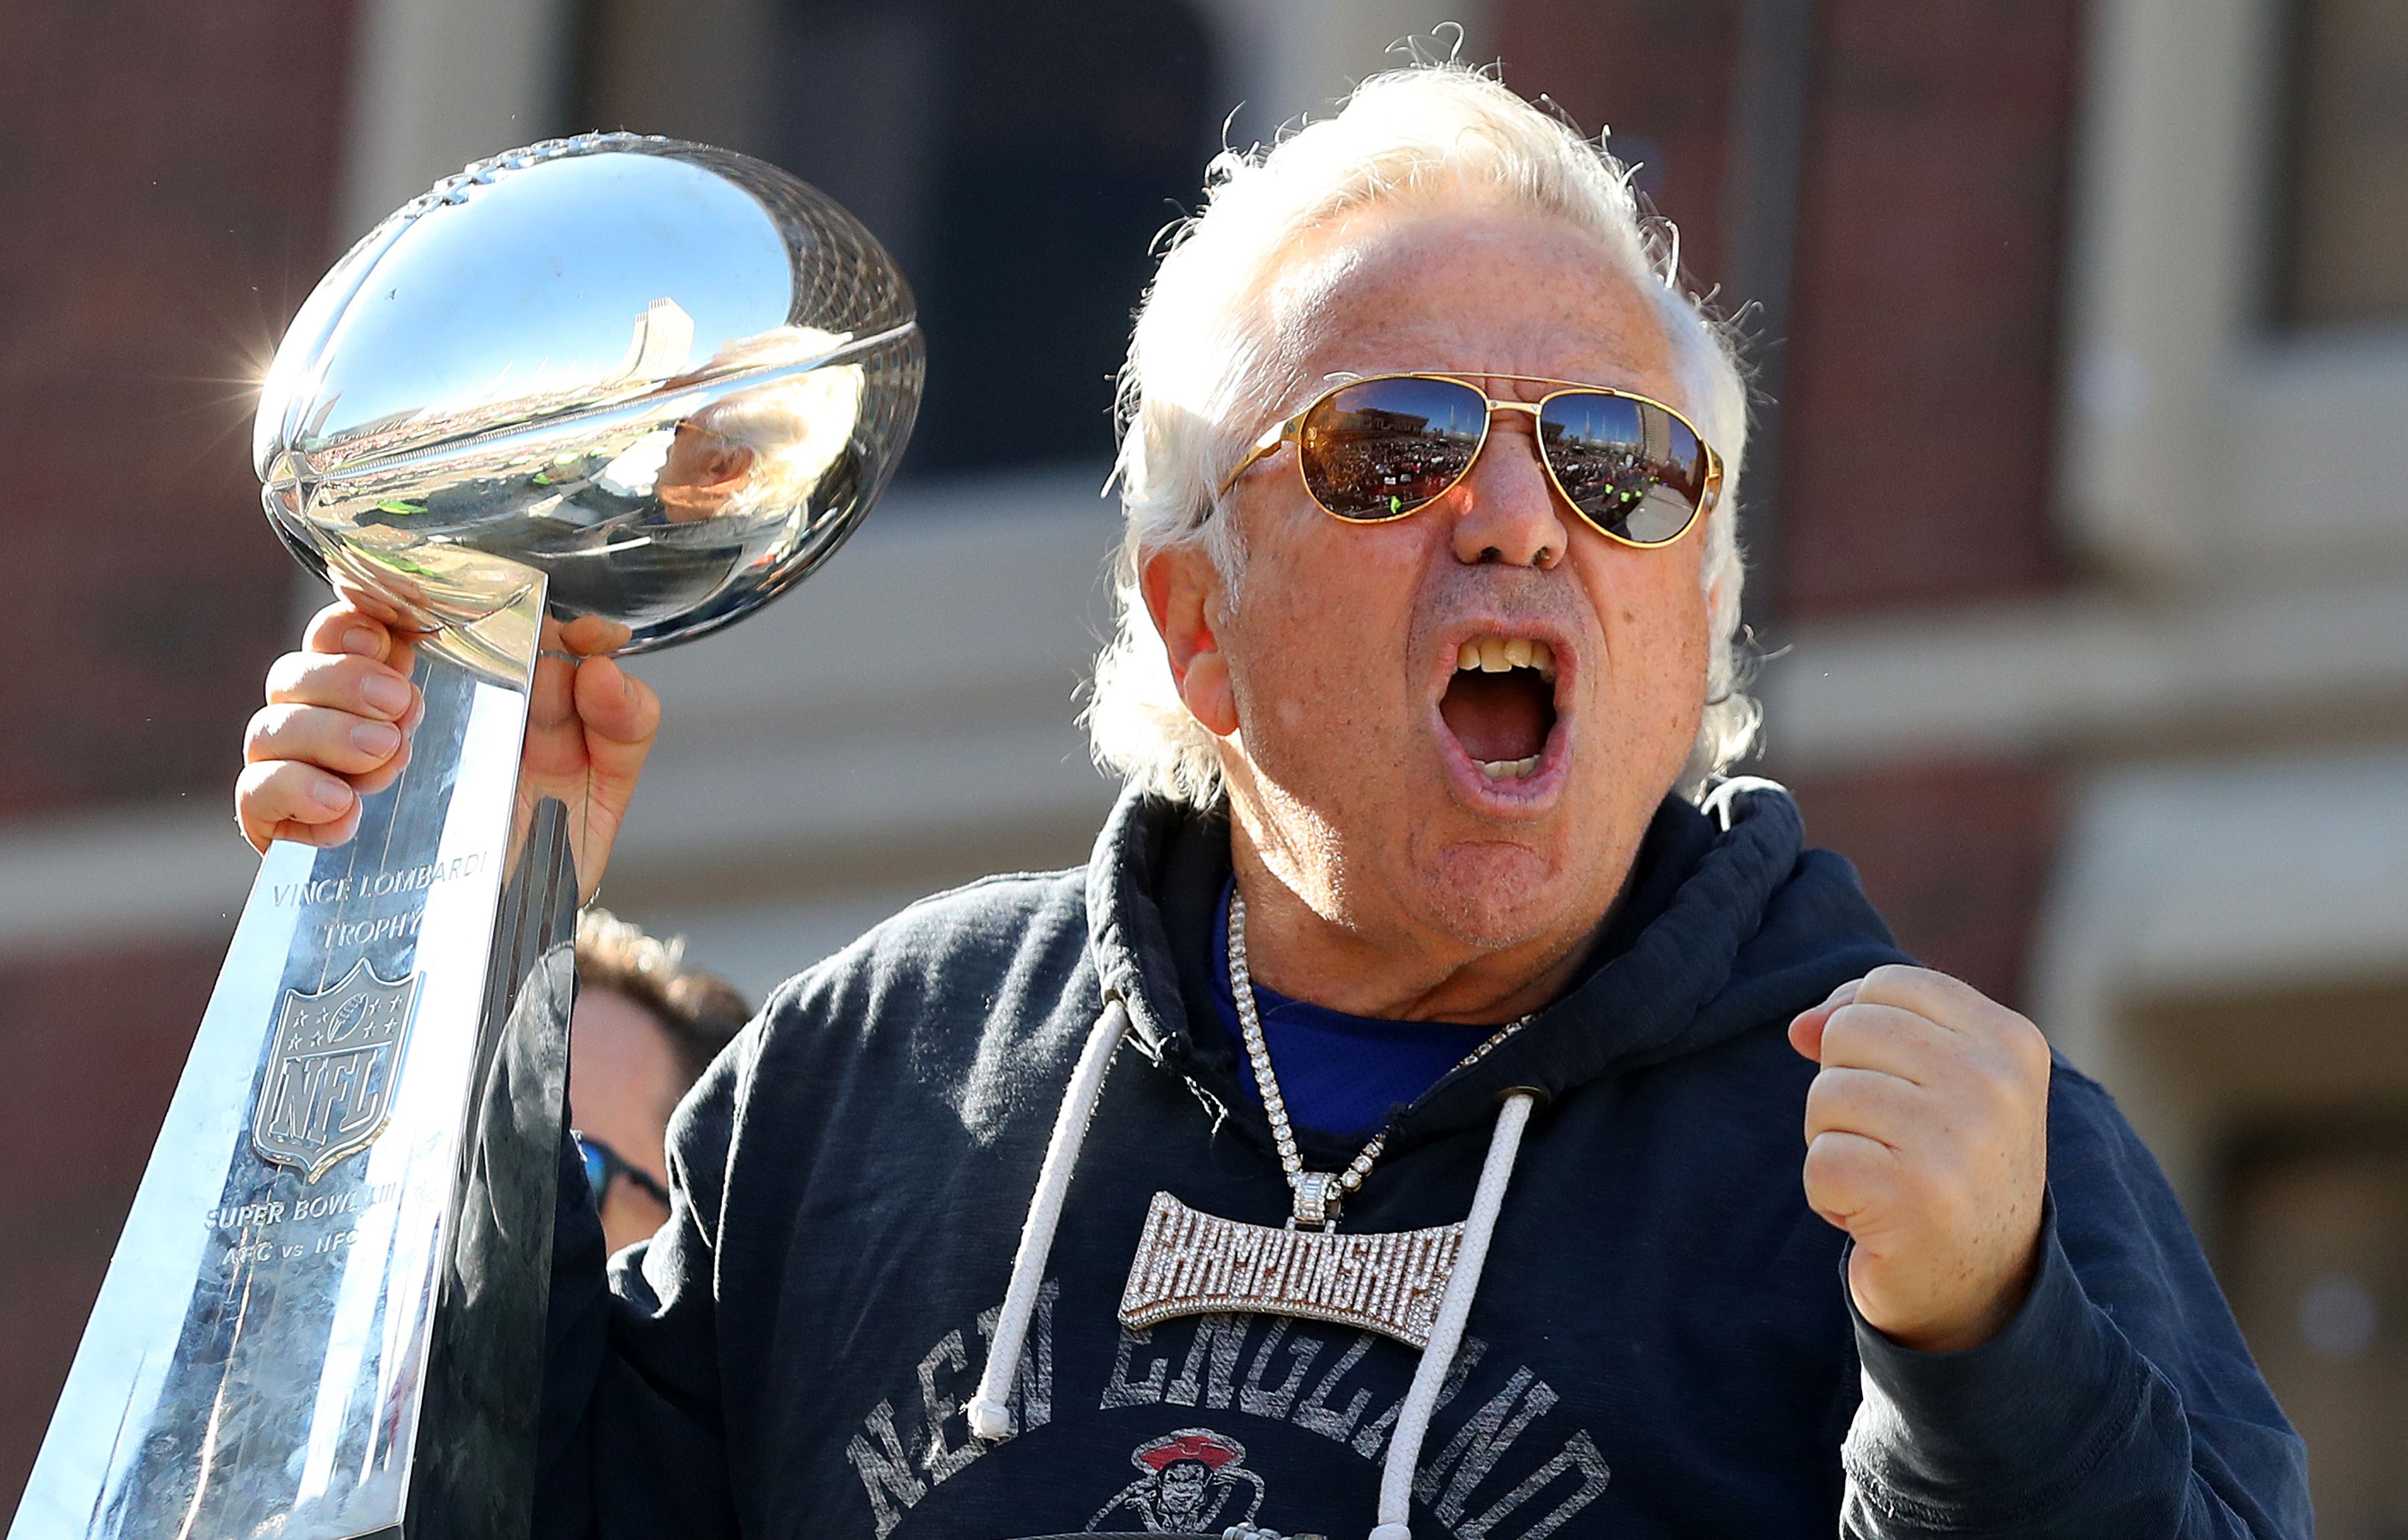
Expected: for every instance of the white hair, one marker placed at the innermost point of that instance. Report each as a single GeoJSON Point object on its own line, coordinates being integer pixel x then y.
{"type": "Point", "coordinates": [1205, 369]}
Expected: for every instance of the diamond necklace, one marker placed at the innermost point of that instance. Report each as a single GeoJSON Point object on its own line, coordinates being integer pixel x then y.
{"type": "Point", "coordinates": [1318, 1194]}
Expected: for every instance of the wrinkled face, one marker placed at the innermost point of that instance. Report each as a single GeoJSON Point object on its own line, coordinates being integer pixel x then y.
{"type": "Point", "coordinates": [1460, 721]}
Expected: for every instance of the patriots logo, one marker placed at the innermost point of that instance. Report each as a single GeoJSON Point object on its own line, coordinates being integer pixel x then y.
{"type": "Point", "coordinates": [1189, 1479]}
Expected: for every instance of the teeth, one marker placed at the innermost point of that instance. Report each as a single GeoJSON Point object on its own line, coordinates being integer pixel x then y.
{"type": "Point", "coordinates": [1509, 769]}
{"type": "Point", "coordinates": [1496, 654]}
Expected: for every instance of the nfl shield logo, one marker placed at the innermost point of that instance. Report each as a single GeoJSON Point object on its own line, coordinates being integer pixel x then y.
{"type": "Point", "coordinates": [329, 1081]}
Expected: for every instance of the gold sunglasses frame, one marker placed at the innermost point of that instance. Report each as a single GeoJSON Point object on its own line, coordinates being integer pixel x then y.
{"type": "Point", "coordinates": [1288, 432]}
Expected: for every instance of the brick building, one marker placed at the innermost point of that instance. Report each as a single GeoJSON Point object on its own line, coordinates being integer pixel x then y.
{"type": "Point", "coordinates": [2076, 527]}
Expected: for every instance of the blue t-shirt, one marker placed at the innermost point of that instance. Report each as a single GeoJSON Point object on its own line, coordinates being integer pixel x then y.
{"type": "Point", "coordinates": [1341, 1075]}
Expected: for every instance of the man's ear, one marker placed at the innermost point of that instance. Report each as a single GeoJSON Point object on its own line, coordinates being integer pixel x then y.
{"type": "Point", "coordinates": [727, 462]}
{"type": "Point", "coordinates": [1181, 590]}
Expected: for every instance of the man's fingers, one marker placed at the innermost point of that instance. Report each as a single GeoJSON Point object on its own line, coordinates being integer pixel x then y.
{"type": "Point", "coordinates": [617, 707]}
{"type": "Point", "coordinates": [345, 626]}
{"type": "Point", "coordinates": [552, 693]}
{"type": "Point", "coordinates": [592, 636]}
{"type": "Point", "coordinates": [1865, 1102]}
{"type": "Point", "coordinates": [1927, 1142]}
{"type": "Point", "coordinates": [325, 836]}
{"type": "Point", "coordinates": [2002, 1048]}
{"type": "Point", "coordinates": [1950, 1002]}
{"type": "Point", "coordinates": [1891, 1040]}
{"type": "Point", "coordinates": [329, 739]}
{"type": "Point", "coordinates": [366, 600]}
{"type": "Point", "coordinates": [286, 799]}
{"type": "Point", "coordinates": [338, 628]}
{"type": "Point", "coordinates": [1846, 1174]}
{"type": "Point", "coordinates": [342, 682]}
{"type": "Point", "coordinates": [622, 717]}
{"type": "Point", "coordinates": [373, 782]}
{"type": "Point", "coordinates": [336, 727]}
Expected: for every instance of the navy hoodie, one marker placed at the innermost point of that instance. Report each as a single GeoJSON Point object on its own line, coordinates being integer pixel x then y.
{"type": "Point", "coordinates": [1662, 1343]}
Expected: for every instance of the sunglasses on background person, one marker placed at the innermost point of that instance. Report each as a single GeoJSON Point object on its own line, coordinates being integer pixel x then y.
{"type": "Point", "coordinates": [1374, 449]}
{"type": "Point", "coordinates": [605, 1166]}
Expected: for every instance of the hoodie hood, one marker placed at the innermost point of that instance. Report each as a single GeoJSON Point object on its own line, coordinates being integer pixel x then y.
{"type": "Point", "coordinates": [1727, 925]}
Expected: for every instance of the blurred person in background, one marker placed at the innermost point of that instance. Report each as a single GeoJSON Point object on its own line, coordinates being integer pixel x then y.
{"type": "Point", "coordinates": [1430, 907]}
{"type": "Point", "coordinates": [645, 1028]}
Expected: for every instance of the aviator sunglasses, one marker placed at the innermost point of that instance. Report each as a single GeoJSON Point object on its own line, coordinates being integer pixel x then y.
{"type": "Point", "coordinates": [1374, 449]}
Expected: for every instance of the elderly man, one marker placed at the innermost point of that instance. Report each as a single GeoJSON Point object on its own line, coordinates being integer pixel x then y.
{"type": "Point", "coordinates": [1395, 1128]}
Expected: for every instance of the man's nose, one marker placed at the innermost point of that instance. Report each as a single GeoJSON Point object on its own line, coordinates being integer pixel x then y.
{"type": "Point", "coordinates": [1506, 509]}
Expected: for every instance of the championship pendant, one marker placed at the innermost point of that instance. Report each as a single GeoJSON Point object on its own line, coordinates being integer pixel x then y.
{"type": "Point", "coordinates": [1191, 1264]}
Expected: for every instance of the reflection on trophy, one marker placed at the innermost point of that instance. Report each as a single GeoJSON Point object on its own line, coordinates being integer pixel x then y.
{"type": "Point", "coordinates": [613, 377]}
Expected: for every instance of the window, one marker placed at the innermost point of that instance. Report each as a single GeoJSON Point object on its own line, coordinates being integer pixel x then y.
{"type": "Point", "coordinates": [2344, 256]}
{"type": "Point", "coordinates": [1017, 160]}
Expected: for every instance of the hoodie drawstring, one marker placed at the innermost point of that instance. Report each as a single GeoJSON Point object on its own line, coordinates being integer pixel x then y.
{"type": "Point", "coordinates": [1446, 1333]}
{"type": "Point", "coordinates": [990, 1415]}
{"type": "Point", "coordinates": [1722, 803]}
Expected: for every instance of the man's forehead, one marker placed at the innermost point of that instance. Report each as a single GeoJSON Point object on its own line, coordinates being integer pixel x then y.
{"type": "Point", "coordinates": [1468, 290]}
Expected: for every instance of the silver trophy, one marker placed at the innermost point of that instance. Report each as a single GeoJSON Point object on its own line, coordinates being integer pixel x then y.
{"type": "Point", "coordinates": [614, 377]}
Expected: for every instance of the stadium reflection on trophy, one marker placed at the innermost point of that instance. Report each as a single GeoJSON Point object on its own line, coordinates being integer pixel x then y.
{"type": "Point", "coordinates": [620, 378]}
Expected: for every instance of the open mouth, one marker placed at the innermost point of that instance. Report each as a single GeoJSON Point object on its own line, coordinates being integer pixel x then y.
{"type": "Point", "coordinates": [1500, 704]}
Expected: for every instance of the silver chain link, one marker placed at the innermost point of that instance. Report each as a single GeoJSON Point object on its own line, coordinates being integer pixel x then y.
{"type": "Point", "coordinates": [1318, 1194]}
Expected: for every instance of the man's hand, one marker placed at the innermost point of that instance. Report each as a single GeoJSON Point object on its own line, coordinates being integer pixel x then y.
{"type": "Point", "coordinates": [1927, 1141]}
{"type": "Point", "coordinates": [339, 713]}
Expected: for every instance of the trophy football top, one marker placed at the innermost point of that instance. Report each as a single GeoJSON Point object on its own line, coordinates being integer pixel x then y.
{"type": "Point", "coordinates": [669, 377]}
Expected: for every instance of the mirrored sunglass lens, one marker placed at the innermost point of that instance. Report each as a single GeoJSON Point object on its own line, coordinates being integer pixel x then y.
{"type": "Point", "coordinates": [1386, 447]}
{"type": "Point", "coordinates": [1634, 470]}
